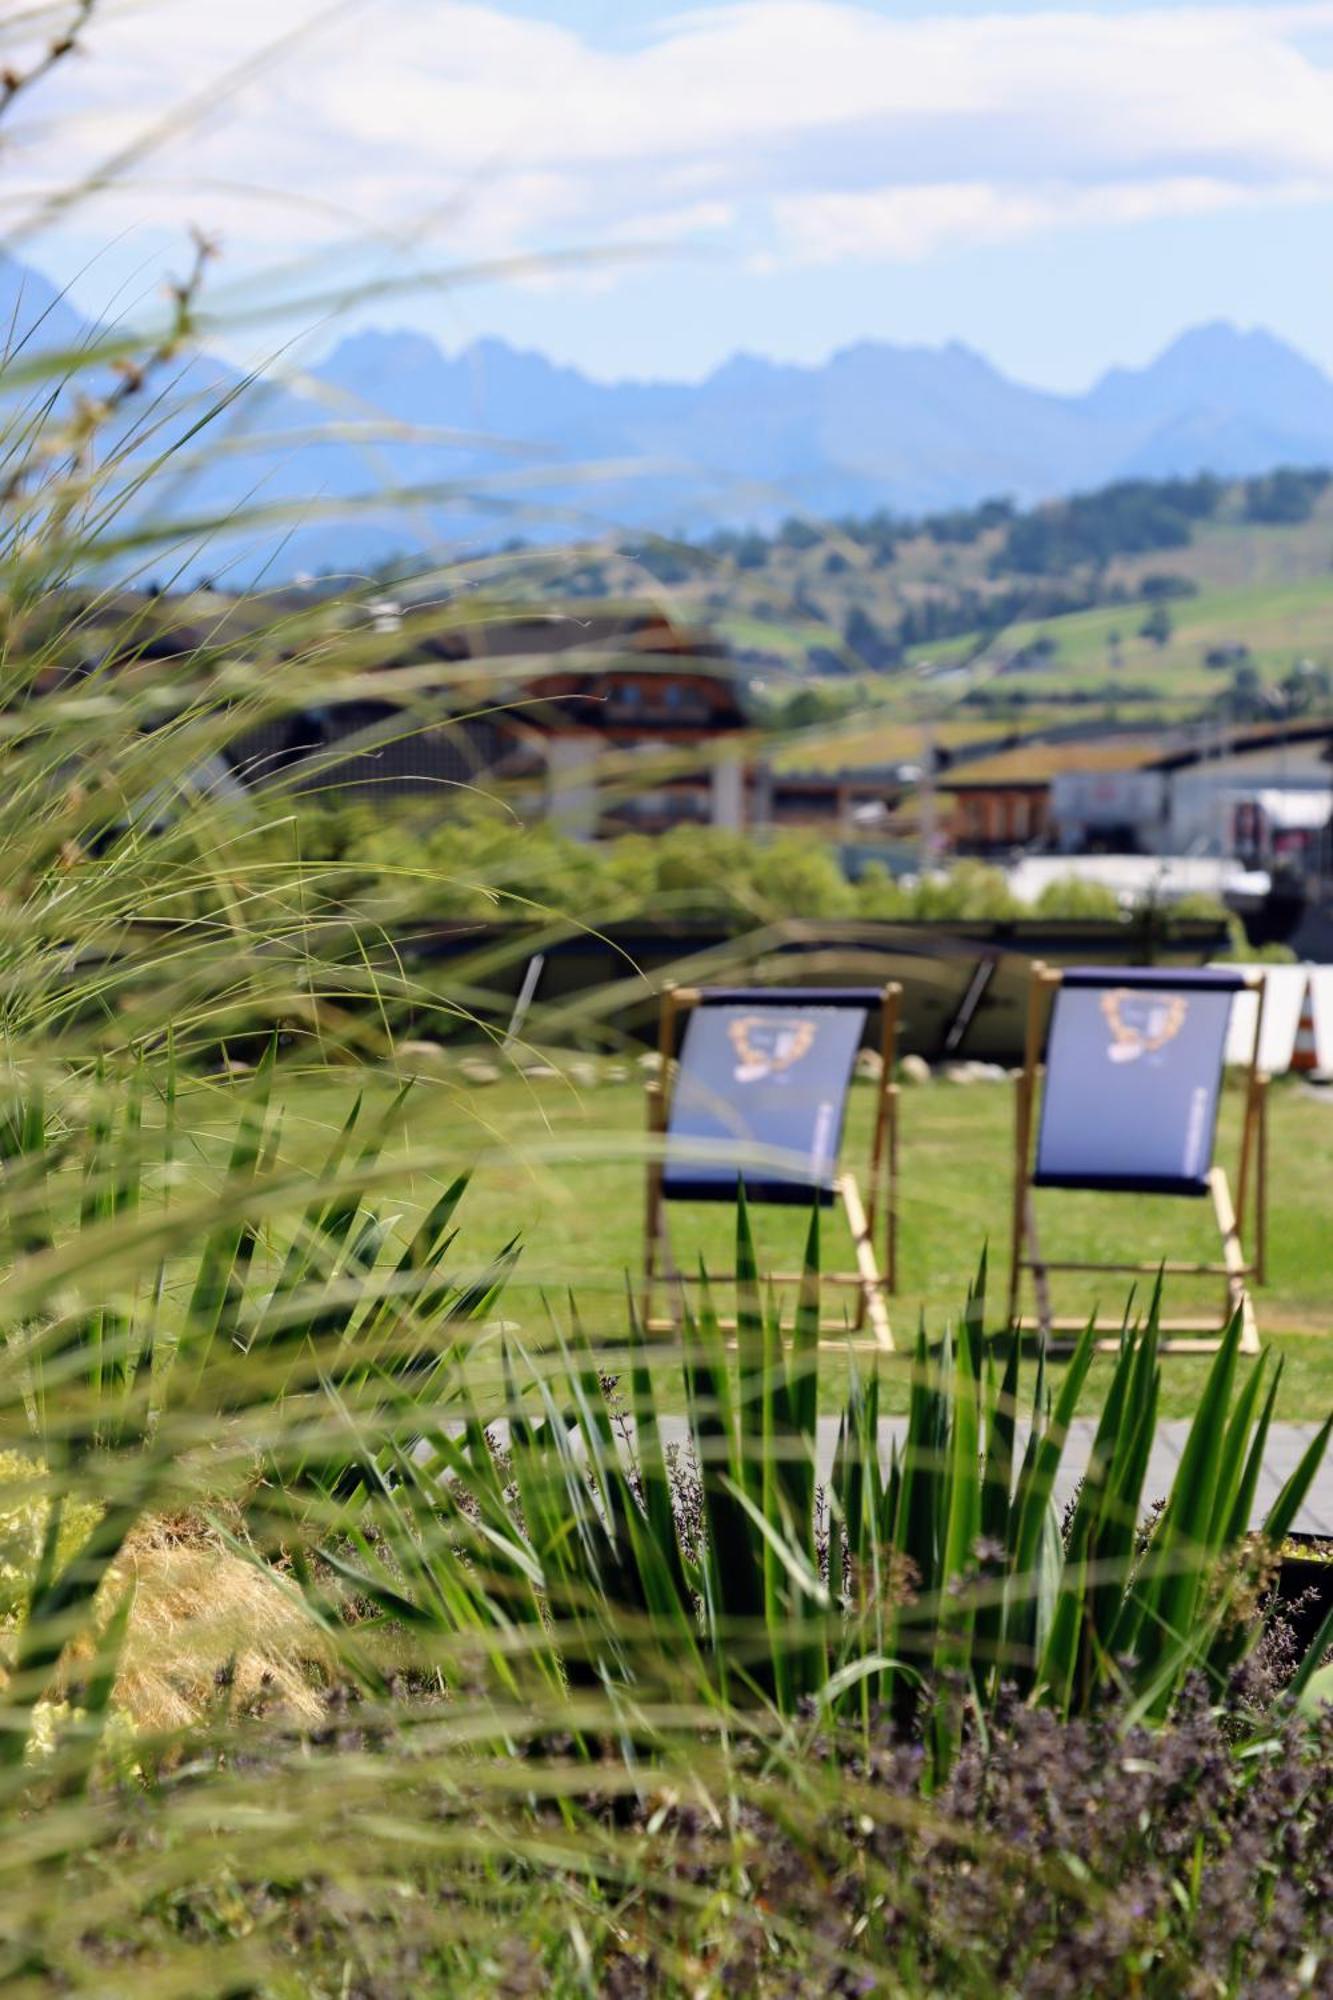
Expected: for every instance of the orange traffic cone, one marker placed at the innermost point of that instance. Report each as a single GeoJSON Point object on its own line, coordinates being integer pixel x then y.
{"type": "Point", "coordinates": [1305, 1054]}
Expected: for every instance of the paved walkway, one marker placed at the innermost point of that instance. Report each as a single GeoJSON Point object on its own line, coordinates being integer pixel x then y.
{"type": "Point", "coordinates": [1286, 1444]}
{"type": "Point", "coordinates": [1286, 1447]}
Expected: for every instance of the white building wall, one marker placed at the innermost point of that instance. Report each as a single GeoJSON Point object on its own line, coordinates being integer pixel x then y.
{"type": "Point", "coordinates": [1203, 797]}
{"type": "Point", "coordinates": [729, 794]}
{"type": "Point", "coordinates": [1189, 811]}
{"type": "Point", "coordinates": [571, 785]}
{"type": "Point", "coordinates": [1087, 803]}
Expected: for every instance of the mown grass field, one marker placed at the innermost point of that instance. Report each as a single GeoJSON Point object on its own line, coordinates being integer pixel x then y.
{"type": "Point", "coordinates": [1281, 623]}
{"type": "Point", "coordinates": [560, 1166]}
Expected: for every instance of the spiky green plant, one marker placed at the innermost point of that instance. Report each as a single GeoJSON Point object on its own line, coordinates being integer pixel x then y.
{"type": "Point", "coordinates": [933, 1577]}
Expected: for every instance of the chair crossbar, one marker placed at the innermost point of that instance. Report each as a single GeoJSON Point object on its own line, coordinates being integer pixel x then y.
{"type": "Point", "coordinates": [843, 1337]}
{"type": "Point", "coordinates": [1073, 1323]}
{"type": "Point", "coordinates": [1149, 1269]}
{"type": "Point", "coordinates": [850, 1279]}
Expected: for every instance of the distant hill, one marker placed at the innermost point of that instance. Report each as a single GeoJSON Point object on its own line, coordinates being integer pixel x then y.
{"type": "Point", "coordinates": [505, 442]}
{"type": "Point", "coordinates": [33, 314]}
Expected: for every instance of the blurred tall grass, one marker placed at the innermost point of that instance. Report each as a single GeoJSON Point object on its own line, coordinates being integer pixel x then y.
{"type": "Point", "coordinates": [350, 1631]}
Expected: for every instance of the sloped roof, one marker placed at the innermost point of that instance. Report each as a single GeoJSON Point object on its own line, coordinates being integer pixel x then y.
{"type": "Point", "coordinates": [1243, 741]}
{"type": "Point", "coordinates": [1034, 765]}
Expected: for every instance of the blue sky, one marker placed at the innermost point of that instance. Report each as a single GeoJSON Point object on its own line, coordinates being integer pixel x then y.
{"type": "Point", "coordinates": [1060, 185]}
{"type": "Point", "coordinates": [604, 20]}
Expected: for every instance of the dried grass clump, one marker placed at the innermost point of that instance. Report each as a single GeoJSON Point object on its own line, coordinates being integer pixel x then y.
{"type": "Point", "coordinates": [209, 1628]}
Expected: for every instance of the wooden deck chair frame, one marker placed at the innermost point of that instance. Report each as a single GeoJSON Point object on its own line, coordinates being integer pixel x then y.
{"type": "Point", "coordinates": [1184, 1336]}
{"type": "Point", "coordinates": [874, 1215]}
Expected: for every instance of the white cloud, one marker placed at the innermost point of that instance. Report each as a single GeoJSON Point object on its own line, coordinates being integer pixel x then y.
{"type": "Point", "coordinates": [908, 224]}
{"type": "Point", "coordinates": [678, 225]}
{"type": "Point", "coordinates": [802, 129]}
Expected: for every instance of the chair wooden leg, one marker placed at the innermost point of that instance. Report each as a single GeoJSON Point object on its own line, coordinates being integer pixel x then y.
{"type": "Point", "coordinates": [652, 1218]}
{"type": "Point", "coordinates": [1041, 981]}
{"type": "Point", "coordinates": [872, 1281]}
{"type": "Point", "coordinates": [1261, 1191]}
{"type": "Point", "coordinates": [1238, 1292]}
{"type": "Point", "coordinates": [1041, 1284]}
{"type": "Point", "coordinates": [891, 1206]}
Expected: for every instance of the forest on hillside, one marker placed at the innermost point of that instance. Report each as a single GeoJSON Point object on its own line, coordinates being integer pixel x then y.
{"type": "Point", "coordinates": [1178, 596]}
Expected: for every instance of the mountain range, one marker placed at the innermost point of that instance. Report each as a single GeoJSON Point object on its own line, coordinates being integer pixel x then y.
{"type": "Point", "coordinates": [495, 442]}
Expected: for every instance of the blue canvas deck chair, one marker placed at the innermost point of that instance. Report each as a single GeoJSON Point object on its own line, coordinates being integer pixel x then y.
{"type": "Point", "coordinates": [1129, 1095]}
{"type": "Point", "coordinates": [753, 1088]}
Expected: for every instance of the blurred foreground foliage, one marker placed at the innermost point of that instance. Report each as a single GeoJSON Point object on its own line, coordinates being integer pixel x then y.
{"type": "Point", "coordinates": [355, 1640]}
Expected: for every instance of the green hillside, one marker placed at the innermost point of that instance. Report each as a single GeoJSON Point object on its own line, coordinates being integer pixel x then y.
{"type": "Point", "coordinates": [1152, 601]}
{"type": "Point", "coordinates": [1281, 626]}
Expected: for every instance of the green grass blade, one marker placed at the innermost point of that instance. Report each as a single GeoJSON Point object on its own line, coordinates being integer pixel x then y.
{"type": "Point", "coordinates": [1184, 1552]}
{"type": "Point", "coordinates": [1277, 1525]}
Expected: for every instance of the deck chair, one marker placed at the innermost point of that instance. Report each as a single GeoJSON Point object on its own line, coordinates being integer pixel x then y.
{"type": "Point", "coordinates": [1129, 1095]}
{"type": "Point", "coordinates": [753, 1089]}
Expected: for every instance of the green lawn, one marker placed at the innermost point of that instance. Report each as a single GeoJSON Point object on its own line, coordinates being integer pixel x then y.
{"type": "Point", "coordinates": [562, 1167]}
{"type": "Point", "coordinates": [1281, 623]}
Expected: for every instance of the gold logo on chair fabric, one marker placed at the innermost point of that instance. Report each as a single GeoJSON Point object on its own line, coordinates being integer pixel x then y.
{"type": "Point", "coordinates": [767, 1045]}
{"type": "Point", "coordinates": [1142, 1023]}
